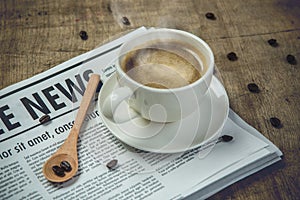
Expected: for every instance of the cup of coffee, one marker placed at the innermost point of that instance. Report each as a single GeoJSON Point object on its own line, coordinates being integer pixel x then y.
{"type": "Point", "coordinates": [163, 74]}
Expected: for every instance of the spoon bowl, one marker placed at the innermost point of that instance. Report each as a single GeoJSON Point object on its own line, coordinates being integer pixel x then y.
{"type": "Point", "coordinates": [68, 150]}
{"type": "Point", "coordinates": [56, 160]}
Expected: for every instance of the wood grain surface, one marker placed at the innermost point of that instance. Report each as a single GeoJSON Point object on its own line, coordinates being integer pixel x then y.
{"type": "Point", "coordinates": [37, 35]}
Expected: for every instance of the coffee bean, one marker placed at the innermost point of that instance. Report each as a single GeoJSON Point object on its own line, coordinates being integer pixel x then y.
{"type": "Point", "coordinates": [42, 13]}
{"type": "Point", "coordinates": [287, 100]}
{"type": "Point", "coordinates": [65, 165]}
{"type": "Point", "coordinates": [109, 8]}
{"type": "Point", "coordinates": [58, 171]}
{"type": "Point", "coordinates": [44, 119]}
{"type": "Point", "coordinates": [276, 122]}
{"type": "Point", "coordinates": [210, 16]}
{"type": "Point", "coordinates": [125, 21]}
{"type": "Point", "coordinates": [273, 42]}
{"type": "Point", "coordinates": [252, 87]}
{"type": "Point", "coordinates": [112, 164]}
{"type": "Point", "coordinates": [291, 59]}
{"type": "Point", "coordinates": [226, 138]}
{"type": "Point", "coordinates": [83, 35]}
{"type": "Point", "coordinates": [232, 56]}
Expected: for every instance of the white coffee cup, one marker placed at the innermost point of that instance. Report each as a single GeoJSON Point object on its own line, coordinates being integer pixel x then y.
{"type": "Point", "coordinates": [167, 104]}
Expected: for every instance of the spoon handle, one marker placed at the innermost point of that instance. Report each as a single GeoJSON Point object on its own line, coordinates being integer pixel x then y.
{"type": "Point", "coordinates": [85, 102]}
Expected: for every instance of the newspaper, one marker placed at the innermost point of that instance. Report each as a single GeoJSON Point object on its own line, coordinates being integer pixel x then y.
{"type": "Point", "coordinates": [26, 144]}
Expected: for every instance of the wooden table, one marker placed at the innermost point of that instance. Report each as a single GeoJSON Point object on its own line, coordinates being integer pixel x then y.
{"type": "Point", "coordinates": [37, 35]}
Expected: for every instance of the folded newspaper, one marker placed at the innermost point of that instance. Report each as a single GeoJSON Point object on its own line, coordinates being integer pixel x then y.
{"type": "Point", "coordinates": [26, 143]}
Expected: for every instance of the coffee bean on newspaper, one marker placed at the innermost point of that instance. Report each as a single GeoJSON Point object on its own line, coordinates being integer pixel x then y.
{"type": "Point", "coordinates": [44, 119]}
{"type": "Point", "coordinates": [226, 138]}
{"type": "Point", "coordinates": [112, 164]}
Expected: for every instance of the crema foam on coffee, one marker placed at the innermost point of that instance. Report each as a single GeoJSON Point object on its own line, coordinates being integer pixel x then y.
{"type": "Point", "coordinates": [163, 65]}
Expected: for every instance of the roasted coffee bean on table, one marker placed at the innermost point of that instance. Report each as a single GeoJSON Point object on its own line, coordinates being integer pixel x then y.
{"type": "Point", "coordinates": [66, 166]}
{"type": "Point", "coordinates": [58, 171]}
{"type": "Point", "coordinates": [252, 87]}
{"type": "Point", "coordinates": [275, 122]}
{"type": "Point", "coordinates": [125, 21]}
{"type": "Point", "coordinates": [273, 42]}
{"type": "Point", "coordinates": [83, 35]}
{"type": "Point", "coordinates": [210, 16]}
{"type": "Point", "coordinates": [232, 56]}
{"type": "Point", "coordinates": [291, 59]}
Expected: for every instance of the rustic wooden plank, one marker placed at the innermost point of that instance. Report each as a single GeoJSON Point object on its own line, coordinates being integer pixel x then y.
{"type": "Point", "coordinates": [279, 97]}
{"type": "Point", "coordinates": [37, 35]}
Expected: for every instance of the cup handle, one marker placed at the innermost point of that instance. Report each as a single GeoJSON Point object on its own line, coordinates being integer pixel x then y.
{"type": "Point", "coordinates": [111, 102]}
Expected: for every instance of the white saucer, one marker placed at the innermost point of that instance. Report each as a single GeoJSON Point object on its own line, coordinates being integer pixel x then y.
{"type": "Point", "coordinates": [188, 133]}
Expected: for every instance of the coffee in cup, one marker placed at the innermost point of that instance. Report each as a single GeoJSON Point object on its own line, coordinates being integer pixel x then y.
{"type": "Point", "coordinates": [164, 64]}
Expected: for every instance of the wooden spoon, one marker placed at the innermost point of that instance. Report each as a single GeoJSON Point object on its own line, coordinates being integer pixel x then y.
{"type": "Point", "coordinates": [68, 150]}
